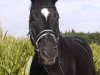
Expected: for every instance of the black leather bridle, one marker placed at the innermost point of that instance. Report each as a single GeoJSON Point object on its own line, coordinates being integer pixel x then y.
{"type": "Point", "coordinates": [41, 35]}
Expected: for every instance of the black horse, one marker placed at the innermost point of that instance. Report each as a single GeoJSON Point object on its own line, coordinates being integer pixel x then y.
{"type": "Point", "coordinates": [55, 55]}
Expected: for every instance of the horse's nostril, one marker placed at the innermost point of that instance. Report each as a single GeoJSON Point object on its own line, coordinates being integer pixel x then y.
{"type": "Point", "coordinates": [43, 52]}
{"type": "Point", "coordinates": [55, 48]}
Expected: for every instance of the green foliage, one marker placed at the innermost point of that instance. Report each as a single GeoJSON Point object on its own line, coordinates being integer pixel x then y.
{"type": "Point", "coordinates": [89, 37]}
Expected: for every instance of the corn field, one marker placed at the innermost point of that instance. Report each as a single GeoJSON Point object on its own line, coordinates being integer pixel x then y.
{"type": "Point", "coordinates": [96, 53]}
{"type": "Point", "coordinates": [16, 54]}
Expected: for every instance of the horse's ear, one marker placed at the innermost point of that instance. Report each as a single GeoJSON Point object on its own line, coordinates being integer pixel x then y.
{"type": "Point", "coordinates": [54, 1]}
{"type": "Point", "coordinates": [32, 1]}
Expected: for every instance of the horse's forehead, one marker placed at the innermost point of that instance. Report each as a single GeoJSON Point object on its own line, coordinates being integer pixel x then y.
{"type": "Point", "coordinates": [45, 12]}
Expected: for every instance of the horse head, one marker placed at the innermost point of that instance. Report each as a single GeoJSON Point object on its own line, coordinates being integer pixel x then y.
{"type": "Point", "coordinates": [44, 30]}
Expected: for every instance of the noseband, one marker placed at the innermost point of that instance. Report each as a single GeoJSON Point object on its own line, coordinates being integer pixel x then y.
{"type": "Point", "coordinates": [41, 35]}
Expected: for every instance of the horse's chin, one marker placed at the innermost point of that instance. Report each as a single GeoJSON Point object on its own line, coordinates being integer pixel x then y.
{"type": "Point", "coordinates": [49, 62]}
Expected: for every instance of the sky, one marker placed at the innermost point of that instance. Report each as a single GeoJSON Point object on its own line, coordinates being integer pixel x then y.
{"type": "Point", "coordinates": [80, 15]}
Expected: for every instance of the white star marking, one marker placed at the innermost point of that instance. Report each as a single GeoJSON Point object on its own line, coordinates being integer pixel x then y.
{"type": "Point", "coordinates": [45, 12]}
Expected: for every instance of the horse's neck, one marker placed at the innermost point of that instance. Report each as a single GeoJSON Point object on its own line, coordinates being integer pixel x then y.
{"type": "Point", "coordinates": [61, 45]}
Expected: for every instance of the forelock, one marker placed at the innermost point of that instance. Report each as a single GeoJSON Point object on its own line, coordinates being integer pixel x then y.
{"type": "Point", "coordinates": [53, 1]}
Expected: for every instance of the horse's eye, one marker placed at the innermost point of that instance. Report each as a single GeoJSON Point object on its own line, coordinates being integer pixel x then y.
{"type": "Point", "coordinates": [55, 48]}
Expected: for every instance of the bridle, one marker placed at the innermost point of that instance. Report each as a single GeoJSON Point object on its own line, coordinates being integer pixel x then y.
{"type": "Point", "coordinates": [41, 35]}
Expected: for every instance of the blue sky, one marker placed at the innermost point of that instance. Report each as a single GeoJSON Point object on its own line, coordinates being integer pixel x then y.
{"type": "Point", "coordinates": [80, 15]}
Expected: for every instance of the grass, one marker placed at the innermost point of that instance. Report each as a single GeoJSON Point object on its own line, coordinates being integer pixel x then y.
{"type": "Point", "coordinates": [15, 54]}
